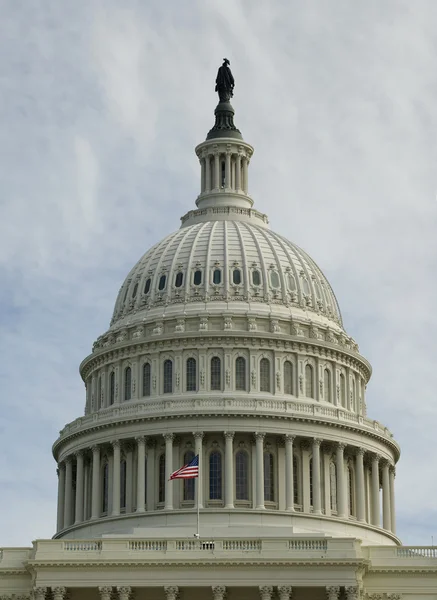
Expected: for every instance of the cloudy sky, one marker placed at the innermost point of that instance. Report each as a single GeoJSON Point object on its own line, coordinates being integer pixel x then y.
{"type": "Point", "coordinates": [102, 103]}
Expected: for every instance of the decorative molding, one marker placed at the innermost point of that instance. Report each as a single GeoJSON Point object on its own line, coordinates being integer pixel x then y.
{"type": "Point", "coordinates": [124, 592]}
{"type": "Point", "coordinates": [352, 592]}
{"type": "Point", "coordinates": [218, 592]}
{"type": "Point", "coordinates": [265, 592]}
{"type": "Point", "coordinates": [332, 592]}
{"type": "Point", "coordinates": [59, 593]}
{"type": "Point", "coordinates": [171, 592]}
{"type": "Point", "coordinates": [285, 592]}
{"type": "Point", "coordinates": [105, 592]}
{"type": "Point", "coordinates": [39, 593]}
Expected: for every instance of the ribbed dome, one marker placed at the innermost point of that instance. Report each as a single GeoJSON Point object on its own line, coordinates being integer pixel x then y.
{"type": "Point", "coordinates": [226, 261]}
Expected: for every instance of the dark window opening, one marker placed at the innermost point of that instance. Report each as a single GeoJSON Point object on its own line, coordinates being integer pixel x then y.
{"type": "Point", "coordinates": [179, 280]}
{"type": "Point", "coordinates": [236, 276]}
{"type": "Point", "coordinates": [147, 286]}
{"type": "Point", "coordinates": [162, 281]}
{"type": "Point", "coordinates": [197, 280]}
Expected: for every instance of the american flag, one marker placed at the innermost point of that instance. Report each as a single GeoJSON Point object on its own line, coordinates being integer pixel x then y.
{"type": "Point", "coordinates": [188, 471]}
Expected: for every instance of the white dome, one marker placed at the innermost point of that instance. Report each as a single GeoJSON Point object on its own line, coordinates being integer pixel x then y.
{"type": "Point", "coordinates": [237, 262]}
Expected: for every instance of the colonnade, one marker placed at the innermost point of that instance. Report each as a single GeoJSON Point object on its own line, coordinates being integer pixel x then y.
{"type": "Point", "coordinates": [310, 475]}
{"type": "Point", "coordinates": [224, 170]}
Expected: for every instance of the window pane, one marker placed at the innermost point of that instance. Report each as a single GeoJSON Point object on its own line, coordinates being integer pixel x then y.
{"type": "Point", "coordinates": [256, 278]}
{"type": "Point", "coordinates": [161, 482]}
{"type": "Point", "coordinates": [188, 483]}
{"type": "Point", "coordinates": [168, 377]}
{"type": "Point", "coordinates": [264, 379]}
{"type": "Point", "coordinates": [236, 276]}
{"type": "Point", "coordinates": [197, 279]}
{"type": "Point", "coordinates": [217, 276]}
{"type": "Point", "coordinates": [216, 376]}
{"type": "Point", "coordinates": [269, 483]}
{"type": "Point", "coordinates": [162, 281]}
{"type": "Point", "coordinates": [146, 379]}
{"type": "Point", "coordinates": [215, 476]}
{"type": "Point", "coordinates": [147, 286]}
{"type": "Point", "coordinates": [274, 279]}
{"type": "Point", "coordinates": [291, 282]}
{"type": "Point", "coordinates": [309, 387]}
{"type": "Point", "coordinates": [288, 377]}
{"type": "Point", "coordinates": [179, 280]}
{"type": "Point", "coordinates": [191, 375]}
{"type": "Point", "coordinates": [240, 374]}
{"type": "Point", "coordinates": [128, 384]}
{"type": "Point", "coordinates": [242, 475]}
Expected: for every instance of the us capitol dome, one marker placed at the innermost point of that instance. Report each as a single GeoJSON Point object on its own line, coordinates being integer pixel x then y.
{"type": "Point", "coordinates": [226, 343]}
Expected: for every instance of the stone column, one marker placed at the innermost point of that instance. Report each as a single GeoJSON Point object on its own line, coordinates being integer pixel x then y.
{"type": "Point", "coordinates": [238, 174]}
{"type": "Point", "coordinates": [141, 472]}
{"type": "Point", "coordinates": [376, 519]}
{"type": "Point", "coordinates": [198, 437]}
{"type": "Point", "coordinates": [202, 175]}
{"type": "Point", "coordinates": [151, 485]}
{"type": "Point", "coordinates": [229, 469]}
{"type": "Point", "coordinates": [171, 592]}
{"type": "Point", "coordinates": [61, 495]}
{"type": "Point", "coordinates": [207, 174]}
{"type": "Point", "coordinates": [216, 171]}
{"type": "Point", "coordinates": [332, 592]}
{"type": "Point", "coordinates": [265, 592]}
{"type": "Point", "coordinates": [39, 593]}
{"type": "Point", "coordinates": [68, 502]}
{"type": "Point", "coordinates": [386, 516]}
{"type": "Point", "coordinates": [289, 475]}
{"type": "Point", "coordinates": [95, 493]}
{"type": "Point", "coordinates": [245, 178]}
{"type": "Point", "coordinates": [116, 478]}
{"type": "Point", "coordinates": [392, 498]}
{"type": "Point", "coordinates": [341, 481]}
{"type": "Point", "coordinates": [169, 437]}
{"type": "Point", "coordinates": [285, 592]}
{"type": "Point", "coordinates": [352, 592]}
{"type": "Point", "coordinates": [317, 500]}
{"type": "Point", "coordinates": [79, 487]}
{"type": "Point", "coordinates": [105, 592]}
{"type": "Point", "coordinates": [259, 437]}
{"type": "Point", "coordinates": [228, 171]}
{"type": "Point", "coordinates": [218, 592]}
{"type": "Point", "coordinates": [359, 466]}
{"type": "Point", "coordinates": [124, 592]}
{"type": "Point", "coordinates": [59, 593]}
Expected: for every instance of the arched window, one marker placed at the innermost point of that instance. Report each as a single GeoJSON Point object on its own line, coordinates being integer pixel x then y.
{"type": "Point", "coordinates": [105, 488]}
{"type": "Point", "coordinates": [242, 475]}
{"type": "Point", "coordinates": [191, 375]}
{"type": "Point", "coordinates": [256, 278]}
{"type": "Point", "coordinates": [333, 485]}
{"type": "Point", "coordinates": [216, 373]}
{"type": "Point", "coordinates": [295, 481]}
{"type": "Point", "coordinates": [127, 383]}
{"type": "Point", "coordinates": [188, 483]}
{"type": "Point", "coordinates": [168, 376]}
{"type": "Point", "coordinates": [162, 282]}
{"type": "Point", "coordinates": [215, 475]}
{"type": "Point", "coordinates": [311, 481]}
{"type": "Point", "coordinates": [146, 379]}
{"type": "Point", "coordinates": [343, 390]}
{"type": "Point", "coordinates": [197, 279]}
{"type": "Point", "coordinates": [240, 374]}
{"type": "Point", "coordinates": [264, 375]}
{"type": "Point", "coordinates": [179, 280]}
{"type": "Point", "coordinates": [236, 276]}
{"type": "Point", "coordinates": [147, 285]}
{"type": "Point", "coordinates": [288, 377]}
{"type": "Point", "coordinates": [217, 276]}
{"type": "Point", "coordinates": [161, 478]}
{"type": "Point", "coordinates": [350, 488]}
{"type": "Point", "coordinates": [309, 383]}
{"type": "Point", "coordinates": [112, 388]}
{"type": "Point", "coordinates": [327, 385]}
{"type": "Point", "coordinates": [274, 279]}
{"type": "Point", "coordinates": [269, 477]}
{"type": "Point", "coordinates": [123, 485]}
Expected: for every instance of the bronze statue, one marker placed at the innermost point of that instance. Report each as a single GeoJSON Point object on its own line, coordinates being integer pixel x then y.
{"type": "Point", "coordinates": [224, 84]}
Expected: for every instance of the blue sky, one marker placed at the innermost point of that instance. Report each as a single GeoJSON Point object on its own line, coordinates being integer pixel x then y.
{"type": "Point", "coordinates": [102, 103]}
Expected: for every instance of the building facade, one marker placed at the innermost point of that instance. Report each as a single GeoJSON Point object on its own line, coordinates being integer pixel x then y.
{"type": "Point", "coordinates": [226, 342]}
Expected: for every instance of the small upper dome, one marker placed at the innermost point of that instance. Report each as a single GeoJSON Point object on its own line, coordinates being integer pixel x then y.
{"type": "Point", "coordinates": [227, 261]}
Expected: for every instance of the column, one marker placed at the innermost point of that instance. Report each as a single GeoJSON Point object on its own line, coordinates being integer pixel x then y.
{"type": "Point", "coordinates": [68, 504]}
{"type": "Point", "coordinates": [332, 592]}
{"type": "Point", "coordinates": [116, 478]}
{"type": "Point", "coordinates": [392, 498]}
{"type": "Point", "coordinates": [265, 592]}
{"type": "Point", "coordinates": [168, 437]}
{"type": "Point", "coordinates": [151, 485]}
{"type": "Point", "coordinates": [207, 173]}
{"type": "Point", "coordinates": [124, 592]}
{"type": "Point", "coordinates": [228, 170]}
{"type": "Point", "coordinates": [317, 500]}
{"type": "Point", "coordinates": [359, 468]}
{"type": "Point", "coordinates": [105, 592]}
{"type": "Point", "coordinates": [376, 519]}
{"type": "Point", "coordinates": [229, 469]}
{"type": "Point", "coordinates": [218, 592]}
{"type": "Point", "coordinates": [95, 493]}
{"type": "Point", "coordinates": [59, 593]}
{"type": "Point", "coordinates": [61, 496]}
{"type": "Point", "coordinates": [289, 475]}
{"type": "Point", "coordinates": [171, 592]}
{"type": "Point", "coordinates": [341, 481]}
{"type": "Point", "coordinates": [386, 516]}
{"type": "Point", "coordinates": [141, 474]}
{"type": "Point", "coordinates": [79, 487]}
{"type": "Point", "coordinates": [202, 175]}
{"type": "Point", "coordinates": [259, 437]}
{"type": "Point", "coordinates": [216, 171]}
{"type": "Point", "coordinates": [39, 593]}
{"type": "Point", "coordinates": [238, 174]}
{"type": "Point", "coordinates": [198, 437]}
{"type": "Point", "coordinates": [352, 592]}
{"type": "Point", "coordinates": [284, 592]}
{"type": "Point", "coordinates": [245, 181]}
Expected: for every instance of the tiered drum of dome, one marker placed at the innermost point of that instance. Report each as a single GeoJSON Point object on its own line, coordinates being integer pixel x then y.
{"type": "Point", "coordinates": [227, 342]}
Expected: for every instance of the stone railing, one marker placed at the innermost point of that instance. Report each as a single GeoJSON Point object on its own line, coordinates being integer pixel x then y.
{"type": "Point", "coordinates": [179, 405]}
{"type": "Point", "coordinates": [391, 555]}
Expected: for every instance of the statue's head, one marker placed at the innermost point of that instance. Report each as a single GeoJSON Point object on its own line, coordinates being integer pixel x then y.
{"type": "Point", "coordinates": [226, 62]}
